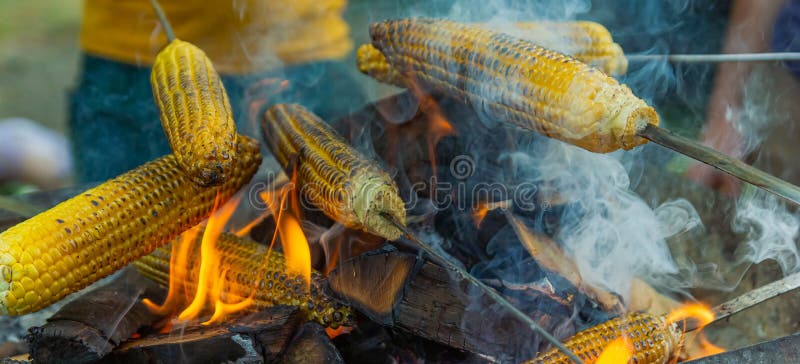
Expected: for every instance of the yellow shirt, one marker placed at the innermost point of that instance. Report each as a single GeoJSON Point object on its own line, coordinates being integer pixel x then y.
{"type": "Point", "coordinates": [240, 36]}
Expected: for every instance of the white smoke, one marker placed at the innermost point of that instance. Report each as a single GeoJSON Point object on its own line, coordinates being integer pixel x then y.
{"type": "Point", "coordinates": [771, 229]}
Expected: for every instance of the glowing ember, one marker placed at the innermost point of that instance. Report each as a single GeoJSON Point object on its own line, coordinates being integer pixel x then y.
{"type": "Point", "coordinates": [618, 351]}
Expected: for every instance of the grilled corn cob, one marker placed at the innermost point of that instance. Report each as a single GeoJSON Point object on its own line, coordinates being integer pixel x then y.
{"type": "Point", "coordinates": [587, 41]}
{"type": "Point", "coordinates": [653, 340]}
{"type": "Point", "coordinates": [195, 112]}
{"type": "Point", "coordinates": [517, 81]}
{"type": "Point", "coordinates": [246, 274]}
{"type": "Point", "coordinates": [88, 237]}
{"type": "Point", "coordinates": [346, 185]}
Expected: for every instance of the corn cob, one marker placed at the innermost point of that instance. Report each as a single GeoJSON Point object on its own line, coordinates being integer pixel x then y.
{"type": "Point", "coordinates": [515, 80]}
{"type": "Point", "coordinates": [587, 41]}
{"type": "Point", "coordinates": [653, 340]}
{"type": "Point", "coordinates": [346, 185]}
{"type": "Point", "coordinates": [195, 112]}
{"type": "Point", "coordinates": [371, 62]}
{"type": "Point", "coordinates": [248, 275]}
{"type": "Point", "coordinates": [88, 237]}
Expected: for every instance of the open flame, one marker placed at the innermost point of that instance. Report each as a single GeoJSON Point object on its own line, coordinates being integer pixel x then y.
{"type": "Point", "coordinates": [698, 315]}
{"type": "Point", "coordinates": [620, 350]}
{"type": "Point", "coordinates": [438, 126]}
{"type": "Point", "coordinates": [197, 290]}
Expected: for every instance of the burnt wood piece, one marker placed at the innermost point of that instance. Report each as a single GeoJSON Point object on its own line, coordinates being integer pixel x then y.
{"type": "Point", "coordinates": [311, 345]}
{"type": "Point", "coordinates": [783, 350]}
{"type": "Point", "coordinates": [258, 337]}
{"type": "Point", "coordinates": [89, 327]}
{"type": "Point", "coordinates": [404, 292]}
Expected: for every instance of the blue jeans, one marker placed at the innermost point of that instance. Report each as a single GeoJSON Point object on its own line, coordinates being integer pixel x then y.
{"type": "Point", "coordinates": [114, 123]}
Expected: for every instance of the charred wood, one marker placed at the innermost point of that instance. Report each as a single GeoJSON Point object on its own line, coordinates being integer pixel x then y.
{"type": "Point", "coordinates": [258, 337]}
{"type": "Point", "coordinates": [89, 327]}
{"type": "Point", "coordinates": [311, 345]}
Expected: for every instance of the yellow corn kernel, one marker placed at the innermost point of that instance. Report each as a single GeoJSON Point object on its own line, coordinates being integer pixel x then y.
{"type": "Point", "coordinates": [346, 185]}
{"type": "Point", "coordinates": [195, 112]}
{"type": "Point", "coordinates": [587, 41]}
{"type": "Point", "coordinates": [513, 80]}
{"type": "Point", "coordinates": [248, 274]}
{"type": "Point", "coordinates": [103, 229]}
{"type": "Point", "coordinates": [371, 62]}
{"type": "Point", "coordinates": [652, 341]}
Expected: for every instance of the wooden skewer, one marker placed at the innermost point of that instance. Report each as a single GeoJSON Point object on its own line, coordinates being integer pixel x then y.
{"type": "Point", "coordinates": [724, 163]}
{"type": "Point", "coordinates": [750, 299]}
{"type": "Point", "coordinates": [716, 58]}
{"type": "Point", "coordinates": [502, 301]}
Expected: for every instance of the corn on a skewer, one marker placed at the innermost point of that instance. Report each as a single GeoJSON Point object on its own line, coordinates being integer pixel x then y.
{"type": "Point", "coordinates": [88, 237]}
{"type": "Point", "coordinates": [346, 185]}
{"type": "Point", "coordinates": [246, 274]}
{"type": "Point", "coordinates": [371, 62]}
{"type": "Point", "coordinates": [652, 340]}
{"type": "Point", "coordinates": [587, 41]}
{"type": "Point", "coordinates": [195, 112]}
{"type": "Point", "coordinates": [514, 80]}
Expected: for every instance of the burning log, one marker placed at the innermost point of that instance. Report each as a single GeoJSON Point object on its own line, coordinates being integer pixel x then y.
{"type": "Point", "coordinates": [311, 345]}
{"type": "Point", "coordinates": [400, 290]}
{"type": "Point", "coordinates": [261, 336]}
{"type": "Point", "coordinates": [89, 327]}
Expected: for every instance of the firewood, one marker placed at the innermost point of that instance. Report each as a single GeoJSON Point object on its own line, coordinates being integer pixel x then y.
{"type": "Point", "coordinates": [311, 345]}
{"type": "Point", "coordinates": [400, 291]}
{"type": "Point", "coordinates": [89, 327]}
{"type": "Point", "coordinates": [260, 336]}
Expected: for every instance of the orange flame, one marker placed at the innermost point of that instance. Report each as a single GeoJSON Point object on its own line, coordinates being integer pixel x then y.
{"type": "Point", "coordinates": [696, 311]}
{"type": "Point", "coordinates": [438, 126]}
{"type": "Point", "coordinates": [201, 289]}
{"type": "Point", "coordinates": [700, 315]}
{"type": "Point", "coordinates": [620, 350]}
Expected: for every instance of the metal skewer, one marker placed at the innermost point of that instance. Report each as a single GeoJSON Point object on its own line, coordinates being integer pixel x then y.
{"type": "Point", "coordinates": [727, 164]}
{"type": "Point", "coordinates": [752, 298]}
{"type": "Point", "coordinates": [483, 287]}
{"type": "Point", "coordinates": [716, 58]}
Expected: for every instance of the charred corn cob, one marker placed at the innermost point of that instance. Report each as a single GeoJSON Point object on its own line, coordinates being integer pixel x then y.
{"type": "Point", "coordinates": [371, 62]}
{"type": "Point", "coordinates": [652, 340]}
{"type": "Point", "coordinates": [517, 81]}
{"type": "Point", "coordinates": [587, 41]}
{"type": "Point", "coordinates": [246, 274]}
{"type": "Point", "coordinates": [101, 230]}
{"type": "Point", "coordinates": [195, 112]}
{"type": "Point", "coordinates": [346, 185]}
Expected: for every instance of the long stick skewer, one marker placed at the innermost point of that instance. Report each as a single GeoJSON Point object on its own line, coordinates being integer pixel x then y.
{"type": "Point", "coordinates": [724, 163]}
{"type": "Point", "coordinates": [752, 298]}
{"type": "Point", "coordinates": [716, 58]}
{"type": "Point", "coordinates": [441, 259]}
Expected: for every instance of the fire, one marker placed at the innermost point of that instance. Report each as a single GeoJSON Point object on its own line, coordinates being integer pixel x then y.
{"type": "Point", "coordinates": [197, 290]}
{"type": "Point", "coordinates": [699, 312]}
{"type": "Point", "coordinates": [620, 350]}
{"type": "Point", "coordinates": [438, 126]}
{"type": "Point", "coordinates": [697, 315]}
{"type": "Point", "coordinates": [482, 209]}
{"type": "Point", "coordinates": [295, 246]}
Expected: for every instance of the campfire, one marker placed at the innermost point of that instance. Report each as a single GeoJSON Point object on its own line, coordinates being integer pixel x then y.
{"type": "Point", "coordinates": [471, 217]}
